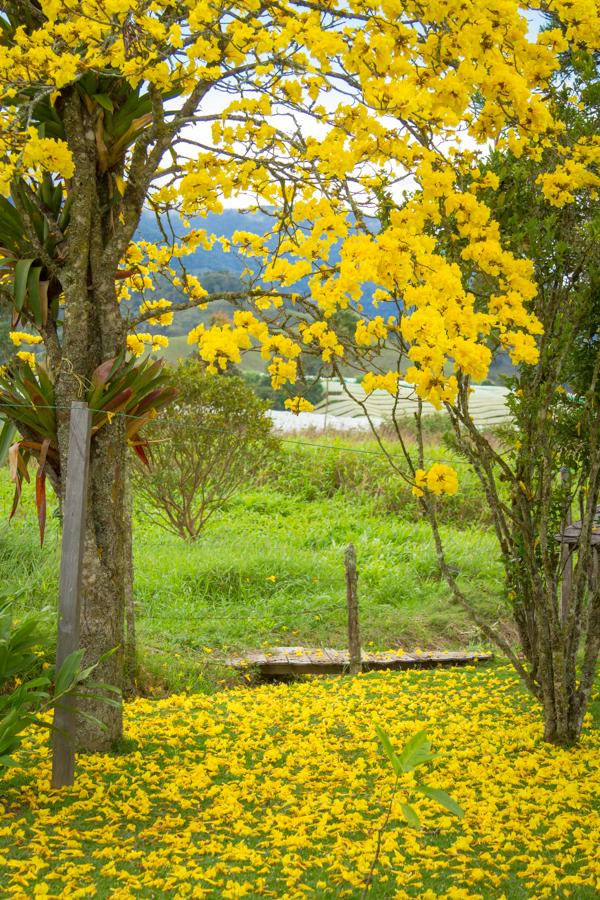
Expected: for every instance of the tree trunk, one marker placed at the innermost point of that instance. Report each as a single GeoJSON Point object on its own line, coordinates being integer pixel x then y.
{"type": "Point", "coordinates": [130, 644]}
{"type": "Point", "coordinates": [93, 332]}
{"type": "Point", "coordinates": [103, 585]}
{"type": "Point", "coordinates": [562, 730]}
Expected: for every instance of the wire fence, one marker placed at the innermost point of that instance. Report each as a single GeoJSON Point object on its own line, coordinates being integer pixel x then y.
{"type": "Point", "coordinates": [338, 448]}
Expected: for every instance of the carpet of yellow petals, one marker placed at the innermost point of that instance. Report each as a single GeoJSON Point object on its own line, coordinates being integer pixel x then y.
{"type": "Point", "coordinates": [279, 791]}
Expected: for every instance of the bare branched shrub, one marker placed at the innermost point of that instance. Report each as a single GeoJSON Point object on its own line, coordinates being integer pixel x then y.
{"type": "Point", "coordinates": [215, 438]}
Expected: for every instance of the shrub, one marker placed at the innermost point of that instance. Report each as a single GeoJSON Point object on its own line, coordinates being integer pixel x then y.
{"type": "Point", "coordinates": [215, 438]}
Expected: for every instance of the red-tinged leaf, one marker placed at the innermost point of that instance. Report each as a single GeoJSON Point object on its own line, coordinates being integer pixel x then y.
{"type": "Point", "coordinates": [44, 453]}
{"type": "Point", "coordinates": [40, 489]}
{"type": "Point", "coordinates": [43, 289]}
{"type": "Point", "coordinates": [23, 463]}
{"type": "Point", "coordinates": [120, 401]}
{"type": "Point", "coordinates": [167, 396]}
{"type": "Point", "coordinates": [40, 502]}
{"type": "Point", "coordinates": [136, 424]}
{"type": "Point", "coordinates": [148, 401]}
{"type": "Point", "coordinates": [101, 374]}
{"type": "Point", "coordinates": [31, 445]}
{"type": "Point", "coordinates": [17, 497]}
{"type": "Point", "coordinates": [139, 450]}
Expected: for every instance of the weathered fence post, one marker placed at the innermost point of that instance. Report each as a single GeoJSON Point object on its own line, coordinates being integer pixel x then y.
{"type": "Point", "coordinates": [73, 536]}
{"type": "Point", "coordinates": [352, 598]}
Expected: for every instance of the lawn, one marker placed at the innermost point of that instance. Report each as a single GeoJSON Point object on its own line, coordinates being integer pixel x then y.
{"type": "Point", "coordinates": [280, 791]}
{"type": "Point", "coordinates": [268, 569]}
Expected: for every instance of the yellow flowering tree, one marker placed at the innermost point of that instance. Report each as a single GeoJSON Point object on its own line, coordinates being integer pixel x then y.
{"type": "Point", "coordinates": [506, 262]}
{"type": "Point", "coordinates": [358, 126]}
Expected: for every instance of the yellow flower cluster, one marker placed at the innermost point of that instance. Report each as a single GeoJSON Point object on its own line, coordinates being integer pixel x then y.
{"type": "Point", "coordinates": [282, 371]}
{"type": "Point", "coordinates": [388, 382]}
{"type": "Point", "coordinates": [47, 155]}
{"type": "Point", "coordinates": [138, 343]}
{"type": "Point", "coordinates": [220, 345]}
{"type": "Point", "coordinates": [320, 333]}
{"type": "Point", "coordinates": [298, 405]}
{"type": "Point", "coordinates": [369, 333]}
{"type": "Point", "coordinates": [23, 337]}
{"type": "Point", "coordinates": [26, 357]}
{"type": "Point", "coordinates": [438, 479]}
{"type": "Point", "coordinates": [165, 318]}
{"type": "Point", "coordinates": [414, 69]}
{"type": "Point", "coordinates": [28, 153]}
{"type": "Point", "coordinates": [578, 171]}
{"type": "Point", "coordinates": [281, 792]}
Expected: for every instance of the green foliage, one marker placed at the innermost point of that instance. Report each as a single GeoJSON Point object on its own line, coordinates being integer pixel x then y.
{"type": "Point", "coordinates": [7, 435]}
{"type": "Point", "coordinates": [269, 570]}
{"type": "Point", "coordinates": [322, 468]}
{"type": "Point", "coordinates": [216, 438]}
{"type": "Point", "coordinates": [26, 689]}
{"type": "Point", "coordinates": [6, 347]}
{"type": "Point", "coordinates": [415, 753]}
{"type": "Point", "coordinates": [32, 290]}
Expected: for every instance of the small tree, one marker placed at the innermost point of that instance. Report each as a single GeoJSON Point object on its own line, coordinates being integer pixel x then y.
{"type": "Point", "coordinates": [216, 438]}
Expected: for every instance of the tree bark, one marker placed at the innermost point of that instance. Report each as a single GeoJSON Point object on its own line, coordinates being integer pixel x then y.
{"type": "Point", "coordinates": [93, 332]}
{"type": "Point", "coordinates": [130, 644]}
{"type": "Point", "coordinates": [104, 579]}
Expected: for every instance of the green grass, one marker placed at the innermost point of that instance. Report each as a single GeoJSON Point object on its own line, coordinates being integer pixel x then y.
{"type": "Point", "coordinates": [268, 569]}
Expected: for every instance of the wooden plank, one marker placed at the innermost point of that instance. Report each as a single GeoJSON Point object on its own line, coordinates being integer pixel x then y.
{"type": "Point", "coordinates": [73, 537]}
{"type": "Point", "coordinates": [325, 661]}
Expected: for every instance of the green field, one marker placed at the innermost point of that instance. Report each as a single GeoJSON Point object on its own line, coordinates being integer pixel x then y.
{"type": "Point", "coordinates": [268, 569]}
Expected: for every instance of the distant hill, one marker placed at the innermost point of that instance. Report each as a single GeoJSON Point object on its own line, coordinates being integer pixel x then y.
{"type": "Point", "coordinates": [225, 224]}
{"type": "Point", "coordinates": [221, 271]}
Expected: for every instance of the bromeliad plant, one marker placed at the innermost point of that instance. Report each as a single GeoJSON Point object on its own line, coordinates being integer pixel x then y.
{"type": "Point", "coordinates": [135, 390]}
{"type": "Point", "coordinates": [35, 220]}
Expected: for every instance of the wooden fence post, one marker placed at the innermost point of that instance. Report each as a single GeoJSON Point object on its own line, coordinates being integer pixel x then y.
{"type": "Point", "coordinates": [352, 599]}
{"type": "Point", "coordinates": [73, 536]}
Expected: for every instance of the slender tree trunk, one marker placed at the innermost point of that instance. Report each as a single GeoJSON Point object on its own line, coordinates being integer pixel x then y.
{"type": "Point", "coordinates": [130, 645]}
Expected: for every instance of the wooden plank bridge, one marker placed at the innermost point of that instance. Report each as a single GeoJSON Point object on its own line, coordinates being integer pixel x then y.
{"type": "Point", "coordinates": [282, 661]}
